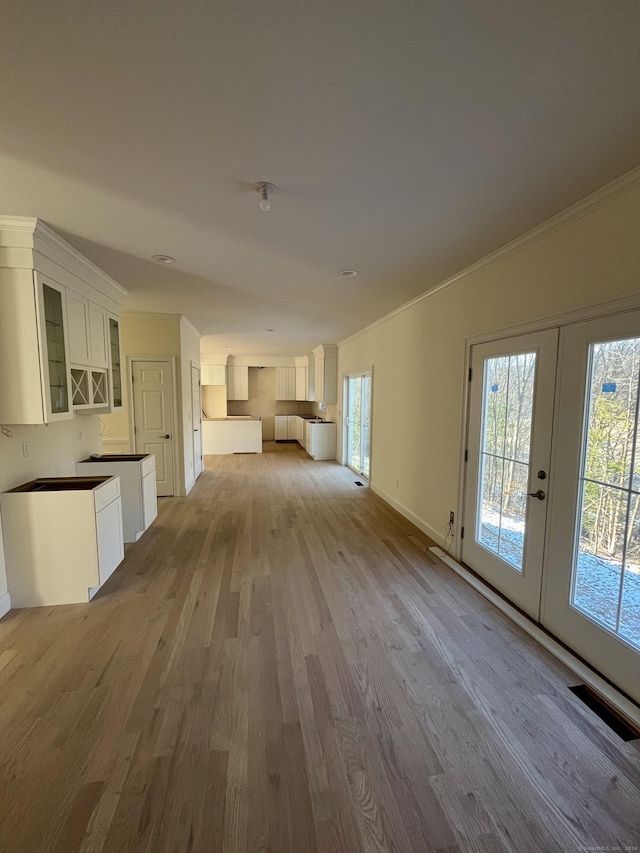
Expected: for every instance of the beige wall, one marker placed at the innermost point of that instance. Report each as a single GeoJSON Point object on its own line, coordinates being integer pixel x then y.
{"type": "Point", "coordinates": [214, 400]}
{"type": "Point", "coordinates": [418, 354]}
{"type": "Point", "coordinates": [155, 335]}
{"type": "Point", "coordinates": [262, 401]}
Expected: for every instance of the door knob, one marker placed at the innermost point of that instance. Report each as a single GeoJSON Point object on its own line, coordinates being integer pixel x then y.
{"type": "Point", "coordinates": [539, 494]}
{"type": "Point", "coordinates": [165, 436]}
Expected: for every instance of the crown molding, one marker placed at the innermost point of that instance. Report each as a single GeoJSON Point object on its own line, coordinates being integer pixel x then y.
{"type": "Point", "coordinates": [620, 186]}
{"type": "Point", "coordinates": [38, 228]}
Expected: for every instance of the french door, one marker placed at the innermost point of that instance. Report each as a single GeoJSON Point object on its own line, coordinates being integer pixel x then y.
{"type": "Point", "coordinates": [552, 505]}
{"type": "Point", "coordinates": [510, 423]}
{"type": "Point", "coordinates": [359, 423]}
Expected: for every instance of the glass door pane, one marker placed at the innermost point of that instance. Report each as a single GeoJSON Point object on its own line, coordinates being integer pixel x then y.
{"type": "Point", "coordinates": [366, 426]}
{"type": "Point", "coordinates": [504, 458]}
{"type": "Point", "coordinates": [606, 572]}
{"type": "Point", "coordinates": [56, 355]}
{"type": "Point", "coordinates": [354, 449]}
{"type": "Point", "coordinates": [507, 473]}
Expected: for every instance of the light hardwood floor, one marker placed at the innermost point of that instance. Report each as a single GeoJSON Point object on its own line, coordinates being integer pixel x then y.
{"type": "Point", "coordinates": [280, 665]}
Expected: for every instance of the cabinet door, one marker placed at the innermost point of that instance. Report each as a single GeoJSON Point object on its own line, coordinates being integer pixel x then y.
{"type": "Point", "coordinates": [320, 380]}
{"type": "Point", "coordinates": [110, 539]}
{"type": "Point", "coordinates": [237, 382]}
{"type": "Point", "coordinates": [149, 498]}
{"type": "Point", "coordinates": [301, 383]}
{"type": "Point", "coordinates": [213, 374]}
{"type": "Point", "coordinates": [282, 431]}
{"type": "Point", "coordinates": [57, 379]}
{"type": "Point", "coordinates": [78, 318]}
{"type": "Point", "coordinates": [115, 364]}
{"type": "Point", "coordinates": [99, 352]}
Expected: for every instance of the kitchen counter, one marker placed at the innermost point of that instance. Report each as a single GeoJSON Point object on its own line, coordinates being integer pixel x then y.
{"type": "Point", "coordinates": [242, 434]}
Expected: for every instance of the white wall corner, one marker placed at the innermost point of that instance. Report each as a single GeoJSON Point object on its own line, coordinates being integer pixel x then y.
{"type": "Point", "coordinates": [5, 604]}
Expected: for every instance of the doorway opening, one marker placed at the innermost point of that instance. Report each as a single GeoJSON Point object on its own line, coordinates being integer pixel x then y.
{"type": "Point", "coordinates": [358, 402]}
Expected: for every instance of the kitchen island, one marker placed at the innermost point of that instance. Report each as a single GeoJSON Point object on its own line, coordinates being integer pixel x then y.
{"type": "Point", "coordinates": [240, 434]}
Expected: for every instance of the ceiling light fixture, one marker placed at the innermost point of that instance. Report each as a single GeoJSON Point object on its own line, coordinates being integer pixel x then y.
{"type": "Point", "coordinates": [264, 190]}
{"type": "Point", "coordinates": [348, 273]}
{"type": "Point", "coordinates": [163, 259]}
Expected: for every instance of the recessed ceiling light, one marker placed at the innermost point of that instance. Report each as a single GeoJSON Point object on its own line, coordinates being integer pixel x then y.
{"type": "Point", "coordinates": [348, 273]}
{"type": "Point", "coordinates": [163, 259]}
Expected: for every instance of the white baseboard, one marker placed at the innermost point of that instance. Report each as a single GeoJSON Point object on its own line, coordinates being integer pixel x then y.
{"type": "Point", "coordinates": [409, 515]}
{"type": "Point", "coordinates": [625, 706]}
{"type": "Point", "coordinates": [5, 604]}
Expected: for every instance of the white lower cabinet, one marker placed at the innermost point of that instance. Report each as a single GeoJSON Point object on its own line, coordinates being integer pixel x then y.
{"type": "Point", "coordinates": [63, 538]}
{"type": "Point", "coordinates": [281, 428]}
{"type": "Point", "coordinates": [137, 473]}
{"type": "Point", "coordinates": [322, 441]}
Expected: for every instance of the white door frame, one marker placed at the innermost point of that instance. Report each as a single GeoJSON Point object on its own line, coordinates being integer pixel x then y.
{"type": "Point", "coordinates": [198, 464]}
{"type": "Point", "coordinates": [171, 360]}
{"type": "Point", "coordinates": [601, 309]}
{"type": "Point", "coordinates": [345, 415]}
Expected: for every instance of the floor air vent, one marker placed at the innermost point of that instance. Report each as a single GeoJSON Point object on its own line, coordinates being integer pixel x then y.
{"type": "Point", "coordinates": [606, 714]}
{"type": "Point", "coordinates": [358, 483]}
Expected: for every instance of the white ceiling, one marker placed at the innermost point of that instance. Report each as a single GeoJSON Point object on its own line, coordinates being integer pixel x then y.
{"type": "Point", "coordinates": [406, 140]}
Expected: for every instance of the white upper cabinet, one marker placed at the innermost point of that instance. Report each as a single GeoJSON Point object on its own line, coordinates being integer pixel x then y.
{"type": "Point", "coordinates": [302, 384]}
{"type": "Point", "coordinates": [213, 374]}
{"type": "Point", "coordinates": [87, 332]}
{"type": "Point", "coordinates": [98, 336]}
{"type": "Point", "coordinates": [53, 309]}
{"type": "Point", "coordinates": [78, 318]}
{"type": "Point", "coordinates": [237, 382]}
{"type": "Point", "coordinates": [326, 373]}
{"type": "Point", "coordinates": [285, 383]}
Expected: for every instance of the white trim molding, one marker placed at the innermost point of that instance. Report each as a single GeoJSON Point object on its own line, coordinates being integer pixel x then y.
{"type": "Point", "coordinates": [622, 703]}
{"type": "Point", "coordinates": [431, 532]}
{"type": "Point", "coordinates": [581, 208]}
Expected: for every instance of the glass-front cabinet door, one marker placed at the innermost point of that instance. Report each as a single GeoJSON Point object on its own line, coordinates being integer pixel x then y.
{"type": "Point", "coordinates": [115, 364]}
{"type": "Point", "coordinates": [55, 366]}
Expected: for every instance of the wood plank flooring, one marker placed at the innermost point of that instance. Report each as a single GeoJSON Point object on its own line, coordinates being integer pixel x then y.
{"type": "Point", "coordinates": [280, 666]}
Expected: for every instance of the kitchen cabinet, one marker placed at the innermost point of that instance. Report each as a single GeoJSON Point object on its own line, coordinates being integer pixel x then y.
{"type": "Point", "coordinates": [326, 373]}
{"type": "Point", "coordinates": [321, 440]}
{"type": "Point", "coordinates": [137, 475]}
{"type": "Point", "coordinates": [285, 383]}
{"type": "Point", "coordinates": [237, 382]}
{"type": "Point", "coordinates": [89, 390]}
{"type": "Point", "coordinates": [302, 383]}
{"type": "Point", "coordinates": [115, 364]}
{"type": "Point", "coordinates": [281, 427]}
{"type": "Point", "coordinates": [213, 374]}
{"type": "Point", "coordinates": [63, 538]}
{"type": "Point", "coordinates": [43, 282]}
{"type": "Point", "coordinates": [87, 331]}
{"type": "Point", "coordinates": [34, 348]}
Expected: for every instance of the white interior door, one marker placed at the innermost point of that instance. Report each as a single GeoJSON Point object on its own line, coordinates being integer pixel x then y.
{"type": "Point", "coordinates": [153, 418]}
{"type": "Point", "coordinates": [196, 420]}
{"type": "Point", "coordinates": [592, 579]}
{"type": "Point", "coordinates": [508, 453]}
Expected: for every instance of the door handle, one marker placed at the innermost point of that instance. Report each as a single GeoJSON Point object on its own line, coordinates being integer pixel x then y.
{"type": "Point", "coordinates": [165, 436]}
{"type": "Point", "coordinates": [539, 494]}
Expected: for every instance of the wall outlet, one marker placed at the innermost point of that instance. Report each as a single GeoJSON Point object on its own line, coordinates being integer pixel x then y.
{"type": "Point", "coordinates": [79, 435]}
{"type": "Point", "coordinates": [26, 449]}
{"type": "Point", "coordinates": [451, 517]}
